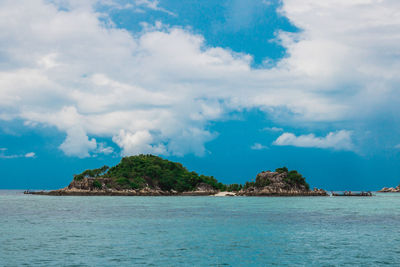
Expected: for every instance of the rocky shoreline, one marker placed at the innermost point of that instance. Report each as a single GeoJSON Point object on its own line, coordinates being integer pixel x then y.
{"type": "Point", "coordinates": [115, 193]}
{"type": "Point", "coordinates": [98, 187]}
{"type": "Point", "coordinates": [151, 192]}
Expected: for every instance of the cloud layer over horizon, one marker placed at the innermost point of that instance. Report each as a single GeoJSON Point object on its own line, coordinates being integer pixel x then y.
{"type": "Point", "coordinates": [66, 65]}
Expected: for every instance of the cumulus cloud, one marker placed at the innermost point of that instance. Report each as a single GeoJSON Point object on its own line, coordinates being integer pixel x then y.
{"type": "Point", "coordinates": [258, 146]}
{"type": "Point", "coordinates": [340, 140]}
{"type": "Point", "coordinates": [156, 91]}
{"type": "Point", "coordinates": [138, 142]}
{"type": "Point", "coordinates": [78, 143]}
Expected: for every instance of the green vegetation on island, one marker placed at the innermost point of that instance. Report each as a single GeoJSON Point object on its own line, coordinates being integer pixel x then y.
{"type": "Point", "coordinates": [136, 172]}
{"type": "Point", "coordinates": [293, 178]}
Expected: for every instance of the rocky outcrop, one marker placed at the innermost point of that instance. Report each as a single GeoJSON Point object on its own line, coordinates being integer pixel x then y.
{"type": "Point", "coordinates": [390, 189]}
{"type": "Point", "coordinates": [106, 187]}
{"type": "Point", "coordinates": [278, 184]}
{"type": "Point", "coordinates": [90, 184]}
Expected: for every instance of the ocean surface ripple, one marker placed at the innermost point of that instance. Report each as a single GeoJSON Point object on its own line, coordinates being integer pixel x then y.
{"type": "Point", "coordinates": [199, 231]}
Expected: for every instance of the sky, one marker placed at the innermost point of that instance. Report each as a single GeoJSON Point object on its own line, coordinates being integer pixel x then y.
{"type": "Point", "coordinates": [228, 88]}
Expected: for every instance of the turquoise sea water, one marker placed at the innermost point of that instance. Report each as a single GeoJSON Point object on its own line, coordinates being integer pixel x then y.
{"type": "Point", "coordinates": [199, 231]}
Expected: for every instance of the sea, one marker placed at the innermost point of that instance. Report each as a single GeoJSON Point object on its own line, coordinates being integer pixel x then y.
{"type": "Point", "coordinates": [199, 231]}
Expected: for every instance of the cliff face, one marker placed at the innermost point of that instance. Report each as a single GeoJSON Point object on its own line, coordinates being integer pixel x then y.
{"type": "Point", "coordinates": [279, 184]}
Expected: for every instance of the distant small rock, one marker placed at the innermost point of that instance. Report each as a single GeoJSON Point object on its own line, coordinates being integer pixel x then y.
{"type": "Point", "coordinates": [390, 189]}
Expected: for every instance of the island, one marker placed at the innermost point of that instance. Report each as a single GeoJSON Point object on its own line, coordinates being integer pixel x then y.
{"type": "Point", "coordinates": [149, 175]}
{"type": "Point", "coordinates": [390, 189]}
{"type": "Point", "coordinates": [281, 182]}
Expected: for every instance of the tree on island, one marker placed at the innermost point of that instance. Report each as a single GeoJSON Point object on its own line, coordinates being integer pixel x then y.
{"type": "Point", "coordinates": [92, 173]}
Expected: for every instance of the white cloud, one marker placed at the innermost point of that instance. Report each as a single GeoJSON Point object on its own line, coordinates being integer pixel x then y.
{"type": "Point", "coordinates": [272, 129]}
{"type": "Point", "coordinates": [77, 143]}
{"type": "Point", "coordinates": [397, 146]}
{"type": "Point", "coordinates": [139, 142]}
{"type": "Point", "coordinates": [102, 148]}
{"type": "Point", "coordinates": [135, 5]}
{"type": "Point", "coordinates": [154, 5]}
{"type": "Point", "coordinates": [30, 155]}
{"type": "Point", "coordinates": [157, 90]}
{"type": "Point", "coordinates": [340, 140]}
{"type": "Point", "coordinates": [3, 154]}
{"type": "Point", "coordinates": [258, 146]}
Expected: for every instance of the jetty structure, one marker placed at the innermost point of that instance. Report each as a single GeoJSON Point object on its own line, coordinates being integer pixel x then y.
{"type": "Point", "coordinates": [352, 194]}
{"type": "Point", "coordinates": [149, 175]}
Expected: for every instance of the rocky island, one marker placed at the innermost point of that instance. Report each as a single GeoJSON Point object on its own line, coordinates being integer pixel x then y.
{"type": "Point", "coordinates": [390, 189]}
{"type": "Point", "coordinates": [149, 175]}
{"type": "Point", "coordinates": [281, 182]}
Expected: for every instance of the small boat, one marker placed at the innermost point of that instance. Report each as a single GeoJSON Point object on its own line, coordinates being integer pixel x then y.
{"type": "Point", "coordinates": [352, 194]}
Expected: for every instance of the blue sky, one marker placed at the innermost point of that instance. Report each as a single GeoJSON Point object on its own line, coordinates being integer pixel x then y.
{"type": "Point", "coordinates": [228, 88]}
